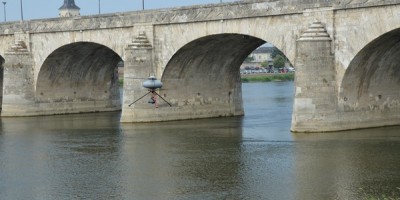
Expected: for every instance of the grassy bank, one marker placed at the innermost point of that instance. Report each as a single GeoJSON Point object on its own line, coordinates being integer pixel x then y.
{"type": "Point", "coordinates": [255, 78]}
{"type": "Point", "coordinates": [268, 78]}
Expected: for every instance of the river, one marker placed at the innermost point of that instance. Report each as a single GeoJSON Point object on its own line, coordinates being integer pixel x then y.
{"type": "Point", "coordinates": [93, 156]}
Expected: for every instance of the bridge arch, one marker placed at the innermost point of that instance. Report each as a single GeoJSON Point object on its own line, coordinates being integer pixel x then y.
{"type": "Point", "coordinates": [207, 72]}
{"type": "Point", "coordinates": [371, 83]}
{"type": "Point", "coordinates": [79, 77]}
{"type": "Point", "coordinates": [210, 55]}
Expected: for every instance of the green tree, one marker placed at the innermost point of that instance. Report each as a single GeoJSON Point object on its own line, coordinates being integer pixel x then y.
{"type": "Point", "coordinates": [279, 61]}
{"type": "Point", "coordinates": [264, 64]}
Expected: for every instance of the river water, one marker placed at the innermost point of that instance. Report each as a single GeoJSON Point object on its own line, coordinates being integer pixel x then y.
{"type": "Point", "coordinates": [93, 156]}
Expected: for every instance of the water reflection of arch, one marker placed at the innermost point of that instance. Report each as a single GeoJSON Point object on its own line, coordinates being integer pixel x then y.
{"type": "Point", "coordinates": [67, 155]}
{"type": "Point", "coordinates": [355, 164]}
{"type": "Point", "coordinates": [183, 159]}
{"type": "Point", "coordinates": [83, 74]}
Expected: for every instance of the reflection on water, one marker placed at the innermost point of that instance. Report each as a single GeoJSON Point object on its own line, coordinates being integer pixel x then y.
{"type": "Point", "coordinates": [360, 164]}
{"type": "Point", "coordinates": [93, 156]}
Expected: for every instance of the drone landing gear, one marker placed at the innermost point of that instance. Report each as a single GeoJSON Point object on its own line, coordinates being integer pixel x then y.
{"type": "Point", "coordinates": [152, 100]}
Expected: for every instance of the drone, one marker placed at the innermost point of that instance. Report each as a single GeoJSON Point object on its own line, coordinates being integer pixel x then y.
{"type": "Point", "coordinates": [152, 84]}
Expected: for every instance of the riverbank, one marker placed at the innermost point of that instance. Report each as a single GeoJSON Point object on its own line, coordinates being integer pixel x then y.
{"type": "Point", "coordinates": [255, 78]}
{"type": "Point", "coordinates": [267, 77]}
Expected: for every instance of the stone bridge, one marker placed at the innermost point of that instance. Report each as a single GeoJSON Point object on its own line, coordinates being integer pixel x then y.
{"type": "Point", "coordinates": [346, 54]}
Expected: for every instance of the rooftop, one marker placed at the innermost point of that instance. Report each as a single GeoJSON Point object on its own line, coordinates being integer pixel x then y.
{"type": "Point", "coordinates": [69, 4]}
{"type": "Point", "coordinates": [264, 50]}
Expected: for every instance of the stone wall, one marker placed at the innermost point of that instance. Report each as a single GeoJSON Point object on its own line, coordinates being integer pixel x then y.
{"type": "Point", "coordinates": [315, 98]}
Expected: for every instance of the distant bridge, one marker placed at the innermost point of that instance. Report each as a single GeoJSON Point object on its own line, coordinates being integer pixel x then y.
{"type": "Point", "coordinates": [346, 55]}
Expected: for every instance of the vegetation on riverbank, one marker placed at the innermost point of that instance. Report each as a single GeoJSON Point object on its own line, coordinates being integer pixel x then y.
{"type": "Point", "coordinates": [255, 78]}
{"type": "Point", "coordinates": [269, 78]}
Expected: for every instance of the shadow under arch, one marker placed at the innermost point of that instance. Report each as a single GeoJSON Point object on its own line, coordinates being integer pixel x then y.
{"type": "Point", "coordinates": [79, 77]}
{"type": "Point", "coordinates": [372, 80]}
{"type": "Point", "coordinates": [206, 72]}
{"type": "Point", "coordinates": [2, 60]}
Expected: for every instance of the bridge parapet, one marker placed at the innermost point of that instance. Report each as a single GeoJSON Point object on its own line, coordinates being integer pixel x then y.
{"type": "Point", "coordinates": [189, 14]}
{"type": "Point", "coordinates": [210, 12]}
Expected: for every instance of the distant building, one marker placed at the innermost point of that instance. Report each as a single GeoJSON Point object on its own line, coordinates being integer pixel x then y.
{"type": "Point", "coordinates": [69, 9]}
{"type": "Point", "coordinates": [262, 54]}
{"type": "Point", "coordinates": [259, 56]}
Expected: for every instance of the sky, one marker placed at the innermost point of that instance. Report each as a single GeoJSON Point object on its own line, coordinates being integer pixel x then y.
{"type": "Point", "coordinates": [39, 9]}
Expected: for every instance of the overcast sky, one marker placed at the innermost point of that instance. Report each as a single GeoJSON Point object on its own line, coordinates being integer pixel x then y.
{"type": "Point", "coordinates": [38, 9]}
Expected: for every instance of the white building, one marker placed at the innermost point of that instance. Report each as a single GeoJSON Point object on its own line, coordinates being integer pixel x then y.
{"type": "Point", "coordinates": [259, 56]}
{"type": "Point", "coordinates": [262, 54]}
